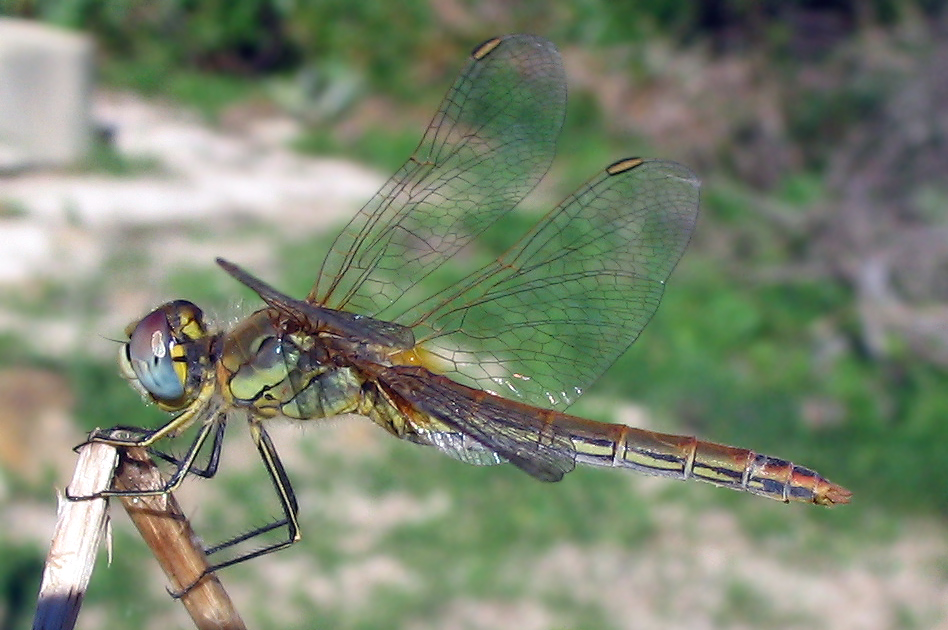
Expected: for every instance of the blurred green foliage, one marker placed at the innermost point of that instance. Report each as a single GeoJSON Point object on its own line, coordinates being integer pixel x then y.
{"type": "Point", "coordinates": [376, 37]}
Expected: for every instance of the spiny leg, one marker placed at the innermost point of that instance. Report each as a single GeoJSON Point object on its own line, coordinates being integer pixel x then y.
{"type": "Point", "coordinates": [145, 438]}
{"type": "Point", "coordinates": [203, 410]}
{"type": "Point", "coordinates": [288, 503]}
{"type": "Point", "coordinates": [213, 460]}
{"type": "Point", "coordinates": [287, 497]}
{"type": "Point", "coordinates": [184, 465]}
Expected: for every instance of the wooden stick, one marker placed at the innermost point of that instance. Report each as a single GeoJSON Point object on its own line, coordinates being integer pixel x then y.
{"type": "Point", "coordinates": [72, 551]}
{"type": "Point", "coordinates": [167, 531]}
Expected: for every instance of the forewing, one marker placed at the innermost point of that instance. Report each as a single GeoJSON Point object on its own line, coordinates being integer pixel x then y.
{"type": "Point", "coordinates": [313, 317]}
{"type": "Point", "coordinates": [491, 141]}
{"type": "Point", "coordinates": [546, 319]}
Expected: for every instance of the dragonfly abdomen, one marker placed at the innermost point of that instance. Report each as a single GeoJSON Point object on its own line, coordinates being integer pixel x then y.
{"type": "Point", "coordinates": [686, 457]}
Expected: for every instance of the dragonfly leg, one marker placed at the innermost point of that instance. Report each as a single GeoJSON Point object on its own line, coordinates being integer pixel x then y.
{"type": "Point", "coordinates": [184, 465]}
{"type": "Point", "coordinates": [288, 503]}
{"type": "Point", "coordinates": [203, 410]}
{"type": "Point", "coordinates": [138, 436]}
{"type": "Point", "coordinates": [108, 436]}
{"type": "Point", "coordinates": [213, 460]}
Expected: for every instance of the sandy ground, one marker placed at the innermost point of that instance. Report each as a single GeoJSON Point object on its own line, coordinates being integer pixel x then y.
{"type": "Point", "coordinates": [64, 228]}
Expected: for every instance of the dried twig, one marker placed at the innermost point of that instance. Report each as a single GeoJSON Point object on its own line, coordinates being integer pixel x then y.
{"type": "Point", "coordinates": [79, 530]}
{"type": "Point", "coordinates": [161, 523]}
{"type": "Point", "coordinates": [167, 531]}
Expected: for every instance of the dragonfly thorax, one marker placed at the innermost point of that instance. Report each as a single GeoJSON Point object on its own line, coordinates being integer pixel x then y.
{"type": "Point", "coordinates": [167, 354]}
{"type": "Point", "coordinates": [270, 364]}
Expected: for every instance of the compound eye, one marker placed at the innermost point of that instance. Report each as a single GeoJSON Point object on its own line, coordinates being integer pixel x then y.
{"type": "Point", "coordinates": [149, 351]}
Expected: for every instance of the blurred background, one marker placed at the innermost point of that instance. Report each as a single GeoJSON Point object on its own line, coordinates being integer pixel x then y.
{"type": "Point", "coordinates": [808, 319]}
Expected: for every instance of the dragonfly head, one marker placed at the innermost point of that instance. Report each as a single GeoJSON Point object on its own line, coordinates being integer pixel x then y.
{"type": "Point", "coordinates": [166, 356]}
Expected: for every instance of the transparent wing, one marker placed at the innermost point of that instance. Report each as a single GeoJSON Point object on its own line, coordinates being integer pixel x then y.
{"type": "Point", "coordinates": [491, 141]}
{"type": "Point", "coordinates": [480, 429]}
{"type": "Point", "coordinates": [547, 318]}
{"type": "Point", "coordinates": [454, 443]}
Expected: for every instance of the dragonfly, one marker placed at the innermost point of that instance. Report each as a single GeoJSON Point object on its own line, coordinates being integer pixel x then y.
{"type": "Point", "coordinates": [483, 369]}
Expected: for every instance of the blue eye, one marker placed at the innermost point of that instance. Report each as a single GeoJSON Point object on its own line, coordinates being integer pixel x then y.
{"type": "Point", "coordinates": [149, 353]}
